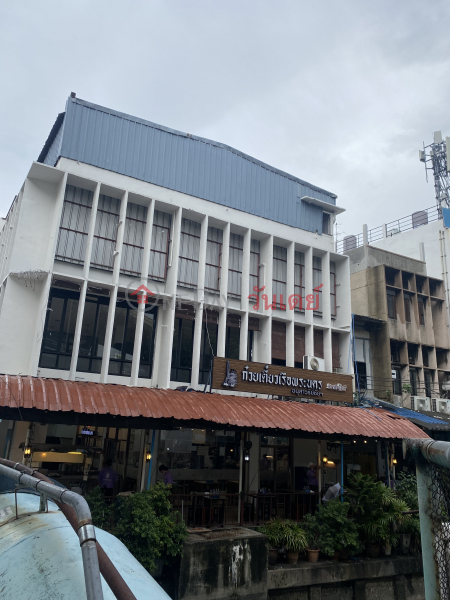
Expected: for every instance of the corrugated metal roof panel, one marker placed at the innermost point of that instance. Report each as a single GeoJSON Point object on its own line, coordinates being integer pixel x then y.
{"type": "Point", "coordinates": [186, 163]}
{"type": "Point", "coordinates": [107, 399]}
{"type": "Point", "coordinates": [426, 421]}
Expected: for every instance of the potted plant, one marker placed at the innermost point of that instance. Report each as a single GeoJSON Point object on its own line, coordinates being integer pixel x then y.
{"type": "Point", "coordinates": [273, 529]}
{"type": "Point", "coordinates": [377, 511]}
{"type": "Point", "coordinates": [339, 532]}
{"type": "Point", "coordinates": [294, 541]}
{"type": "Point", "coordinates": [317, 537]}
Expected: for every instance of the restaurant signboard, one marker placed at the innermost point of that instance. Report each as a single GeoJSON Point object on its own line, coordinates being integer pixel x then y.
{"type": "Point", "coordinates": [261, 378]}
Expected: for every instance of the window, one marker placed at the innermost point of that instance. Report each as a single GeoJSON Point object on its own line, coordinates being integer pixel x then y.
{"type": "Point", "coordinates": [122, 343]}
{"type": "Point", "coordinates": [93, 331]}
{"type": "Point", "coordinates": [105, 233]}
{"type": "Point", "coordinates": [74, 227]}
{"type": "Point", "coordinates": [412, 354]}
{"type": "Point", "coordinates": [317, 280]}
{"type": "Point", "coordinates": [279, 275]}
{"type": "Point", "coordinates": [421, 306]}
{"type": "Point", "coordinates": [159, 252]}
{"type": "Point", "coordinates": [208, 347]}
{"type": "Point", "coordinates": [299, 278]}
{"type": "Point", "coordinates": [235, 265]}
{"type": "Point", "coordinates": [425, 357]}
{"type": "Point", "coordinates": [254, 264]}
{"type": "Point", "coordinates": [59, 330]}
{"type": "Point", "coordinates": [233, 335]}
{"type": "Point", "coordinates": [189, 253]}
{"type": "Point", "coordinates": [326, 223]}
{"type": "Point", "coordinates": [407, 302]}
{"type": "Point", "coordinates": [183, 339]}
{"type": "Point", "coordinates": [428, 384]}
{"type": "Point", "coordinates": [413, 379]}
{"type": "Point", "coordinates": [391, 304]}
{"type": "Point", "coordinates": [133, 239]}
{"type": "Point", "coordinates": [395, 352]}
{"type": "Point", "coordinates": [333, 289]}
{"type": "Point", "coordinates": [213, 258]}
{"type": "Point", "coordinates": [397, 381]}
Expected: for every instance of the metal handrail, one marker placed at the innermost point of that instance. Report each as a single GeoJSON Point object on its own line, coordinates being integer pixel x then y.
{"type": "Point", "coordinates": [86, 530]}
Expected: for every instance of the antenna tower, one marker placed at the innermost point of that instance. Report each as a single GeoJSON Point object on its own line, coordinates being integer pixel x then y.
{"type": "Point", "coordinates": [436, 158]}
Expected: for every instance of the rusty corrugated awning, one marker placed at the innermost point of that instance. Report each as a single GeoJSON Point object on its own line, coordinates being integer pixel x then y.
{"type": "Point", "coordinates": [58, 395]}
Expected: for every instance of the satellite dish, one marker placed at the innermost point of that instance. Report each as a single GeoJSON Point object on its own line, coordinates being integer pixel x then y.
{"type": "Point", "coordinates": [314, 363]}
{"type": "Point", "coordinates": [332, 492]}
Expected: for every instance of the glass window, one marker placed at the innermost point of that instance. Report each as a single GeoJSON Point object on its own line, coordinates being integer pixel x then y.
{"type": "Point", "coordinates": [279, 275]}
{"type": "Point", "coordinates": [59, 330]}
{"type": "Point", "coordinates": [391, 304]}
{"type": "Point", "coordinates": [317, 280]}
{"type": "Point", "coordinates": [326, 223]}
{"type": "Point", "coordinates": [189, 253]}
{"type": "Point", "coordinates": [208, 350]}
{"type": "Point", "coordinates": [157, 268]}
{"type": "Point", "coordinates": [333, 289]}
{"type": "Point", "coordinates": [407, 302]}
{"type": "Point", "coordinates": [421, 306]}
{"type": "Point", "coordinates": [232, 342]}
{"type": "Point", "coordinates": [74, 227]}
{"type": "Point", "coordinates": [148, 342]}
{"type": "Point", "coordinates": [213, 259]}
{"type": "Point", "coordinates": [413, 379]}
{"type": "Point", "coordinates": [93, 332]}
{"type": "Point", "coordinates": [299, 282]}
{"type": "Point", "coordinates": [275, 464]}
{"type": "Point", "coordinates": [183, 340]}
{"type": "Point", "coordinates": [235, 265]}
{"type": "Point", "coordinates": [254, 265]}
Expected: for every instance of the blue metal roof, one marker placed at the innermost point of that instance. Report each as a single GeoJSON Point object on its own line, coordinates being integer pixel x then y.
{"type": "Point", "coordinates": [182, 162]}
{"type": "Point", "coordinates": [410, 414]}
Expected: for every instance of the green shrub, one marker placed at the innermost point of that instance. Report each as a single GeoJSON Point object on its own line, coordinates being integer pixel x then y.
{"type": "Point", "coordinates": [146, 524]}
{"type": "Point", "coordinates": [333, 516]}
{"type": "Point", "coordinates": [100, 510]}
{"type": "Point", "coordinates": [318, 535]}
{"type": "Point", "coordinates": [273, 529]}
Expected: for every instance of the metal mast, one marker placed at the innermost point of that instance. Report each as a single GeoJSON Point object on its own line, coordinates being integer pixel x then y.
{"type": "Point", "coordinates": [436, 158]}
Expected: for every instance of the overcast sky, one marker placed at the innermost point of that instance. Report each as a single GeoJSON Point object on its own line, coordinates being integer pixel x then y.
{"type": "Point", "coordinates": [341, 93]}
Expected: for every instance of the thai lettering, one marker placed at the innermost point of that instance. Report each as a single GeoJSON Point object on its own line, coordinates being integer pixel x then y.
{"type": "Point", "coordinates": [313, 299]}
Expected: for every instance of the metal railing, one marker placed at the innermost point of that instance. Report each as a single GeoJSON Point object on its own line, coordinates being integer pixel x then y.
{"type": "Point", "coordinates": [413, 221]}
{"type": "Point", "coordinates": [433, 487]}
{"type": "Point", "coordinates": [86, 530]}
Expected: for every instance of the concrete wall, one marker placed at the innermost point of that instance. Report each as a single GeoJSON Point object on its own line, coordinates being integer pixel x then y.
{"type": "Point", "coordinates": [233, 566]}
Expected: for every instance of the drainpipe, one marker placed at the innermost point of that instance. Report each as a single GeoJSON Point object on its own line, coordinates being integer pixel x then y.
{"type": "Point", "coordinates": [388, 471]}
{"type": "Point", "coordinates": [342, 471]}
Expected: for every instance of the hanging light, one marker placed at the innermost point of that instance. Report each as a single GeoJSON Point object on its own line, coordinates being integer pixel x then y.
{"type": "Point", "coordinates": [246, 455]}
{"type": "Point", "coordinates": [325, 459]}
{"type": "Point", "coordinates": [27, 451]}
{"type": "Point", "coordinates": [394, 461]}
{"type": "Point", "coordinates": [148, 456]}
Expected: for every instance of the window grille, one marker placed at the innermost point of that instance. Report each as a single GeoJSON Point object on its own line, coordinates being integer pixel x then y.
{"type": "Point", "coordinates": [189, 253]}
{"type": "Point", "coordinates": [159, 253]}
{"type": "Point", "coordinates": [133, 239]}
{"type": "Point", "coordinates": [254, 264]}
{"type": "Point", "coordinates": [333, 289]}
{"type": "Point", "coordinates": [105, 233]}
{"type": "Point", "coordinates": [235, 265]}
{"type": "Point", "coordinates": [279, 275]}
{"type": "Point", "coordinates": [299, 278]}
{"type": "Point", "coordinates": [317, 280]}
{"type": "Point", "coordinates": [74, 227]}
{"type": "Point", "coordinates": [213, 259]}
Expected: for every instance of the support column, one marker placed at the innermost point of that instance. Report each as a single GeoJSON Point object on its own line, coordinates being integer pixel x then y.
{"type": "Point", "coordinates": [108, 336]}
{"type": "Point", "coordinates": [202, 260]}
{"type": "Point", "coordinates": [309, 329]}
{"type": "Point", "coordinates": [119, 238]}
{"type": "Point", "coordinates": [223, 302]}
{"type": "Point", "coordinates": [243, 337]}
{"type": "Point", "coordinates": [245, 281]}
{"type": "Point", "coordinates": [290, 289]}
{"type": "Point", "coordinates": [326, 290]}
{"type": "Point", "coordinates": [91, 231]}
{"type": "Point", "coordinates": [197, 345]}
{"type": "Point", "coordinates": [328, 350]}
{"type": "Point", "coordinates": [77, 333]}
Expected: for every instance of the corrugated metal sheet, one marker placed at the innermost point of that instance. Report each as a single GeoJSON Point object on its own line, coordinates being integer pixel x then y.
{"type": "Point", "coordinates": [94, 398]}
{"type": "Point", "coordinates": [183, 162]}
{"type": "Point", "coordinates": [416, 417]}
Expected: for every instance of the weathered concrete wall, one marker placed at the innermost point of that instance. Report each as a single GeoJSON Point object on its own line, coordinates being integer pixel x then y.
{"type": "Point", "coordinates": [226, 567]}
{"type": "Point", "coordinates": [396, 578]}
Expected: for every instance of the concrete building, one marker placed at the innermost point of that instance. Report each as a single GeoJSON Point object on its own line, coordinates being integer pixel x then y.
{"type": "Point", "coordinates": [401, 328]}
{"type": "Point", "coordinates": [131, 257]}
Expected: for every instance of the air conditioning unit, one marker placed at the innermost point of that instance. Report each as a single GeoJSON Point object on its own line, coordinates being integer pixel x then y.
{"type": "Point", "coordinates": [420, 403]}
{"type": "Point", "coordinates": [397, 401]}
{"type": "Point", "coordinates": [442, 406]}
{"type": "Point", "coordinates": [313, 363]}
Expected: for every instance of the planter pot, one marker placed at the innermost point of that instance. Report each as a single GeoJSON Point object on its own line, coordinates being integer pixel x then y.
{"type": "Point", "coordinates": [405, 542]}
{"type": "Point", "coordinates": [335, 556]}
{"type": "Point", "coordinates": [273, 556]}
{"type": "Point", "coordinates": [343, 554]}
{"type": "Point", "coordinates": [292, 558]}
{"type": "Point", "coordinates": [312, 555]}
{"type": "Point", "coordinates": [157, 572]}
{"type": "Point", "coordinates": [373, 550]}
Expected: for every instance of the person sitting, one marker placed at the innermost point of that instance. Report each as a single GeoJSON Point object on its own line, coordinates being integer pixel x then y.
{"type": "Point", "coordinates": [167, 475]}
{"type": "Point", "coordinates": [311, 475]}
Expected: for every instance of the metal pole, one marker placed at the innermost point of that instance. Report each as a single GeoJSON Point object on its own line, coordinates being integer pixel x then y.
{"type": "Point", "coordinates": [151, 459]}
{"type": "Point", "coordinates": [342, 471]}
{"type": "Point", "coordinates": [388, 471]}
{"type": "Point", "coordinates": [430, 570]}
{"type": "Point", "coordinates": [319, 469]}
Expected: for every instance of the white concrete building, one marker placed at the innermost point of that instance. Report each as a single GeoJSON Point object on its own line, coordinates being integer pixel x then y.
{"type": "Point", "coordinates": [115, 202]}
